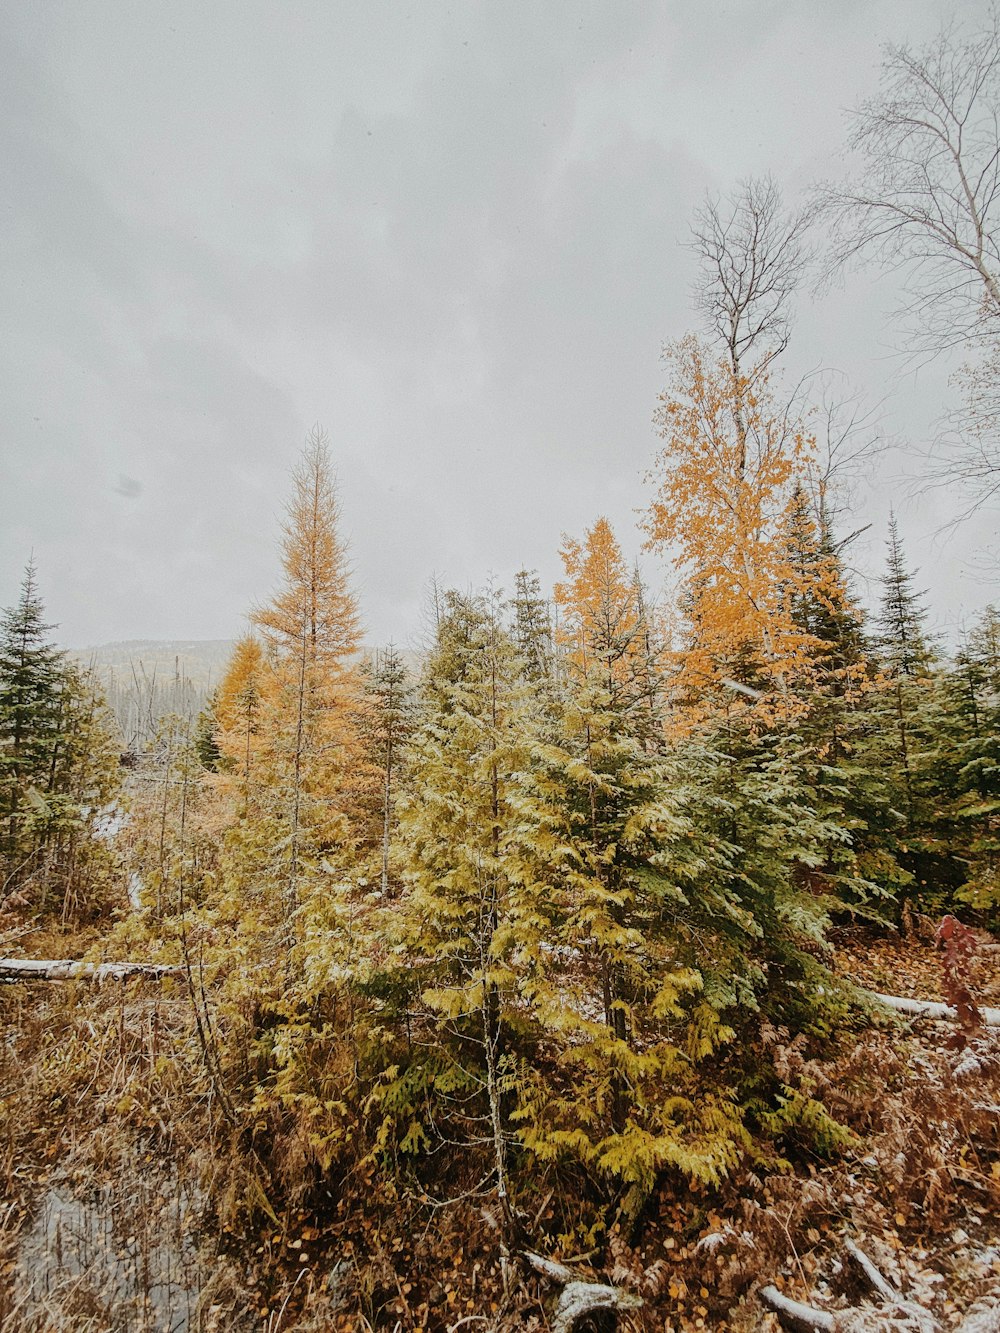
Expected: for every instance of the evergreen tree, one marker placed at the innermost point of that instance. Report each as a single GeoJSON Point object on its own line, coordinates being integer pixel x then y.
{"type": "Point", "coordinates": [907, 730]}
{"type": "Point", "coordinates": [471, 922]}
{"type": "Point", "coordinates": [906, 658]}
{"type": "Point", "coordinates": [59, 756]}
{"type": "Point", "coordinates": [975, 691]}
{"type": "Point", "coordinates": [386, 724]}
{"type": "Point", "coordinates": [968, 771]}
{"type": "Point", "coordinates": [206, 734]}
{"type": "Point", "coordinates": [819, 602]}
{"type": "Point", "coordinates": [617, 991]}
{"type": "Point", "coordinates": [832, 721]}
{"type": "Point", "coordinates": [532, 629]}
{"type": "Point", "coordinates": [32, 687]}
{"type": "Point", "coordinates": [904, 648]}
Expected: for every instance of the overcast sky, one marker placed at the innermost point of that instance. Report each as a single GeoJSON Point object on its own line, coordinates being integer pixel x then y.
{"type": "Point", "coordinates": [451, 233]}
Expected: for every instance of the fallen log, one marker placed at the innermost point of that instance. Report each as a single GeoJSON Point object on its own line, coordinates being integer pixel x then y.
{"type": "Point", "coordinates": [583, 1298]}
{"type": "Point", "coordinates": [794, 1315]}
{"type": "Point", "coordinates": [872, 1274]}
{"type": "Point", "coordinates": [931, 1009]}
{"type": "Point", "coordinates": [578, 1298]}
{"type": "Point", "coordinates": [550, 1268]}
{"type": "Point", "coordinates": [800, 1318]}
{"type": "Point", "coordinates": [69, 969]}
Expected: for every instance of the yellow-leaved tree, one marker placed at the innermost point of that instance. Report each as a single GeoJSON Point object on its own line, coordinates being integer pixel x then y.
{"type": "Point", "coordinates": [725, 506]}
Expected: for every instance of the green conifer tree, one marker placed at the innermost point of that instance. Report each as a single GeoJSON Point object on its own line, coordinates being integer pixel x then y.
{"type": "Point", "coordinates": [618, 992]}
{"type": "Point", "coordinates": [471, 923]}
{"type": "Point", "coordinates": [58, 760]}
{"type": "Point", "coordinates": [968, 772]}
{"type": "Point", "coordinates": [32, 683]}
{"type": "Point", "coordinates": [532, 625]}
{"type": "Point", "coordinates": [386, 724]}
{"type": "Point", "coordinates": [906, 738]}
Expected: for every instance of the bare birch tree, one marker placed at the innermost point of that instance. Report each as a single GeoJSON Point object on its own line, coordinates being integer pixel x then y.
{"type": "Point", "coordinates": [752, 255]}
{"type": "Point", "coordinates": [924, 202]}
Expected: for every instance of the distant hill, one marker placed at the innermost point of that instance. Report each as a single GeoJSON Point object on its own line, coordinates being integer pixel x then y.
{"type": "Point", "coordinates": [200, 663]}
{"type": "Point", "coordinates": [145, 680]}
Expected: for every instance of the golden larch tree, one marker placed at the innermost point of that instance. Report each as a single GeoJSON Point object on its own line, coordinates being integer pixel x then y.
{"type": "Point", "coordinates": [311, 631]}
{"type": "Point", "coordinates": [238, 705]}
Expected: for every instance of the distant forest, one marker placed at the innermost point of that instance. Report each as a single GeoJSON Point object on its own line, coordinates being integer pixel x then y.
{"type": "Point", "coordinates": [145, 680]}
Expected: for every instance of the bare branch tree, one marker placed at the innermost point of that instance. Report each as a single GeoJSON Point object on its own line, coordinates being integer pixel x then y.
{"type": "Point", "coordinates": [752, 255]}
{"type": "Point", "coordinates": [926, 202]}
{"type": "Point", "coordinates": [966, 454]}
{"type": "Point", "coordinates": [926, 197]}
{"type": "Point", "coordinates": [849, 436]}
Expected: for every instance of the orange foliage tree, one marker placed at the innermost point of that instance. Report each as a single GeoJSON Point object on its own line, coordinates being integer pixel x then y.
{"type": "Point", "coordinates": [725, 508]}
{"type": "Point", "coordinates": [604, 630]}
{"type": "Point", "coordinates": [311, 632]}
{"type": "Point", "coordinates": [238, 706]}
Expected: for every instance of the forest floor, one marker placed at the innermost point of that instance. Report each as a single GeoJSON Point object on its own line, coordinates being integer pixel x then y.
{"type": "Point", "coordinates": [116, 1215]}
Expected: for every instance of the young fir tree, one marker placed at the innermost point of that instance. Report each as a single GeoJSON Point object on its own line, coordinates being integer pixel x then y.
{"type": "Point", "coordinates": [532, 627]}
{"type": "Point", "coordinates": [206, 734]}
{"type": "Point", "coordinates": [832, 720]}
{"type": "Point", "coordinates": [386, 724]}
{"type": "Point", "coordinates": [907, 729]}
{"type": "Point", "coordinates": [617, 994]}
{"type": "Point", "coordinates": [471, 923]}
{"type": "Point", "coordinates": [975, 692]}
{"type": "Point", "coordinates": [969, 768]}
{"type": "Point", "coordinates": [32, 685]}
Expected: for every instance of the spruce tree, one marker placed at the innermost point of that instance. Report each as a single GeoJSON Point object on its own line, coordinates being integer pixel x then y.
{"type": "Point", "coordinates": [617, 992]}
{"type": "Point", "coordinates": [968, 772]}
{"type": "Point", "coordinates": [386, 724]}
{"type": "Point", "coordinates": [58, 758]}
{"type": "Point", "coordinates": [904, 648]}
{"type": "Point", "coordinates": [32, 687]}
{"type": "Point", "coordinates": [833, 721]}
{"type": "Point", "coordinates": [907, 732]}
{"type": "Point", "coordinates": [532, 628]}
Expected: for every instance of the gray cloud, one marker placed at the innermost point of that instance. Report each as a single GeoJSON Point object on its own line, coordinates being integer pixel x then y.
{"type": "Point", "coordinates": [128, 487]}
{"type": "Point", "coordinates": [453, 234]}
